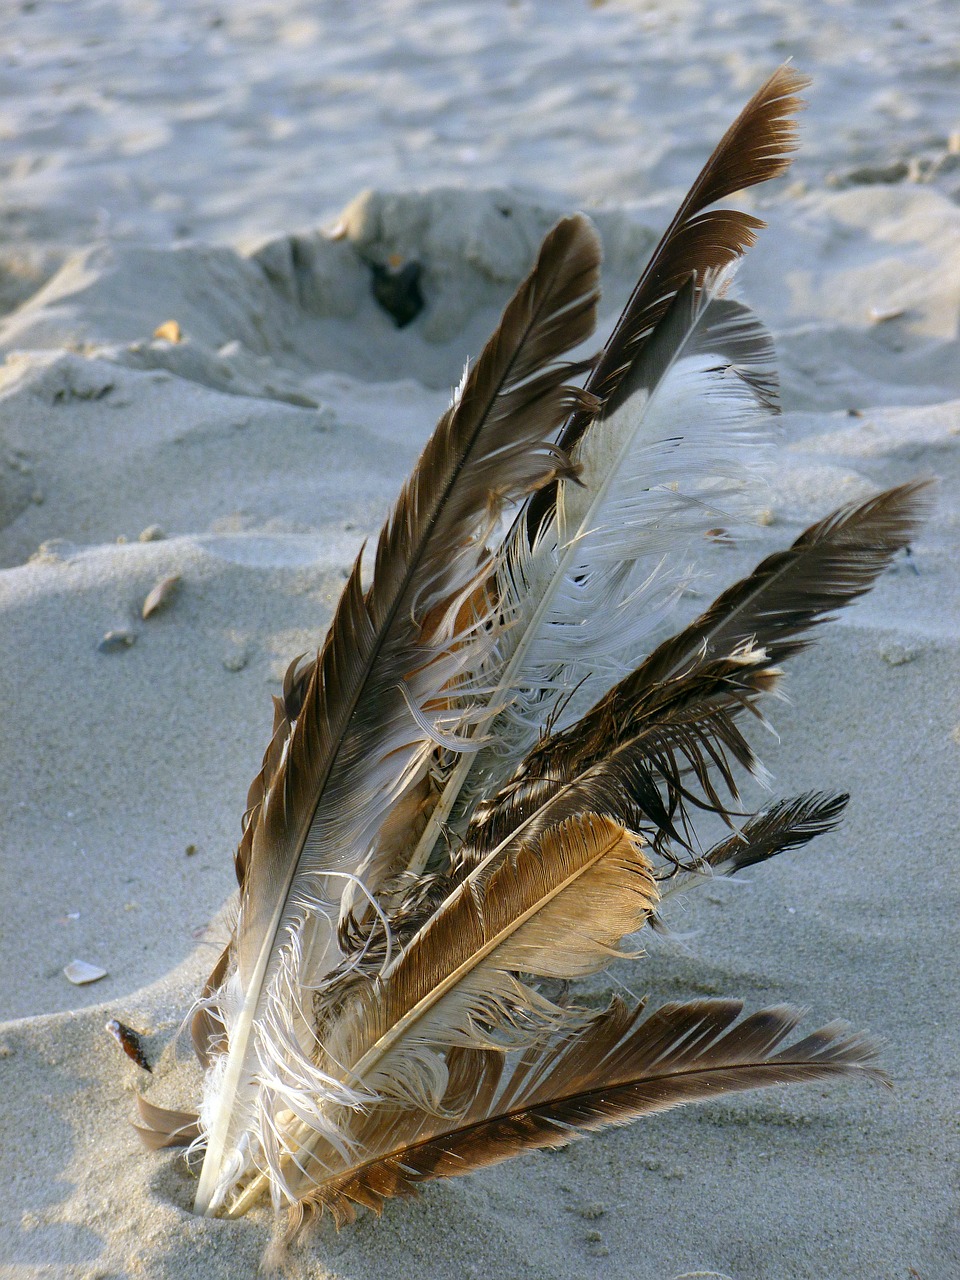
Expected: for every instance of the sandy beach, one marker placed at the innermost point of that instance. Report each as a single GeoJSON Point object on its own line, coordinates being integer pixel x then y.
{"type": "Point", "coordinates": [236, 169]}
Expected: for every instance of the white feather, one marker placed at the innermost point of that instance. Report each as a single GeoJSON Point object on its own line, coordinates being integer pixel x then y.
{"type": "Point", "coordinates": [677, 454]}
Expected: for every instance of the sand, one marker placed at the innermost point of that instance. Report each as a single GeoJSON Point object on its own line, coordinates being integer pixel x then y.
{"type": "Point", "coordinates": [189, 162]}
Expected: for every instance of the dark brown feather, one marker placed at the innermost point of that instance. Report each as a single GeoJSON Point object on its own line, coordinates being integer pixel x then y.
{"type": "Point", "coordinates": [756, 148]}
{"type": "Point", "coordinates": [829, 566]}
{"type": "Point", "coordinates": [654, 736]}
{"type": "Point", "coordinates": [615, 1070]}
{"type": "Point", "coordinates": [487, 447]}
{"type": "Point", "coordinates": [788, 824]}
{"type": "Point", "coordinates": [675, 715]}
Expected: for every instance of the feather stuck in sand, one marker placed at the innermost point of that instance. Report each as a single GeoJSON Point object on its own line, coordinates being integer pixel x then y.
{"type": "Point", "coordinates": [490, 776]}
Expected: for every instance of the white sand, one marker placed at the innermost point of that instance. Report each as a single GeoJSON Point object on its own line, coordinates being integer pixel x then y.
{"type": "Point", "coordinates": [179, 161]}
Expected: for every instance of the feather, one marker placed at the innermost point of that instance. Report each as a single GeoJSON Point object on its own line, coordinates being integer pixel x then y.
{"type": "Point", "coordinates": [830, 565]}
{"type": "Point", "coordinates": [165, 1128]}
{"type": "Point", "coordinates": [697, 247]}
{"type": "Point", "coordinates": [601, 573]}
{"type": "Point", "coordinates": [614, 1070]}
{"type": "Point", "coordinates": [676, 713]}
{"type": "Point", "coordinates": [355, 747]}
{"type": "Point", "coordinates": [788, 824]}
{"type": "Point", "coordinates": [756, 148]}
{"type": "Point", "coordinates": [694, 251]}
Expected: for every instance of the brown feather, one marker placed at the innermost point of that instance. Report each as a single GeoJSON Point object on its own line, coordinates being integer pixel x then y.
{"type": "Point", "coordinates": [165, 1128]}
{"type": "Point", "coordinates": [756, 148]}
{"type": "Point", "coordinates": [829, 566]}
{"type": "Point", "coordinates": [552, 907]}
{"type": "Point", "coordinates": [357, 743]}
{"type": "Point", "coordinates": [677, 710]}
{"type": "Point", "coordinates": [615, 1070]}
{"type": "Point", "coordinates": [375, 640]}
{"type": "Point", "coordinates": [788, 824]}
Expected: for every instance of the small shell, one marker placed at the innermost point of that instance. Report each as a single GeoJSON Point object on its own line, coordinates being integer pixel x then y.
{"type": "Point", "coordinates": [79, 972]}
{"type": "Point", "coordinates": [129, 1041]}
{"type": "Point", "coordinates": [169, 331]}
{"type": "Point", "coordinates": [879, 315]}
{"type": "Point", "coordinates": [161, 595]}
{"type": "Point", "coordinates": [152, 533]}
{"type": "Point", "coordinates": [114, 641]}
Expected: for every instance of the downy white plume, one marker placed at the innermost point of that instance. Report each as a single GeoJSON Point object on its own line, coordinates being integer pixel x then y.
{"type": "Point", "coordinates": [674, 453]}
{"type": "Point", "coordinates": [666, 462]}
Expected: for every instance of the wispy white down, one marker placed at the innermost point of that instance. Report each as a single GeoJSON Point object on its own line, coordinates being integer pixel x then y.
{"type": "Point", "coordinates": [678, 456]}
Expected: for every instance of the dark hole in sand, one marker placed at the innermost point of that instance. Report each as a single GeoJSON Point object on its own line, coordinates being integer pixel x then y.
{"type": "Point", "coordinates": [398, 291]}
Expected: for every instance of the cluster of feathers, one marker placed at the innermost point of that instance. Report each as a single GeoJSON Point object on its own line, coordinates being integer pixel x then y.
{"type": "Point", "coordinates": [474, 796]}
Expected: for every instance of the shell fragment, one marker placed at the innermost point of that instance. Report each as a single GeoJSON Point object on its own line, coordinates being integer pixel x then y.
{"type": "Point", "coordinates": [80, 972]}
